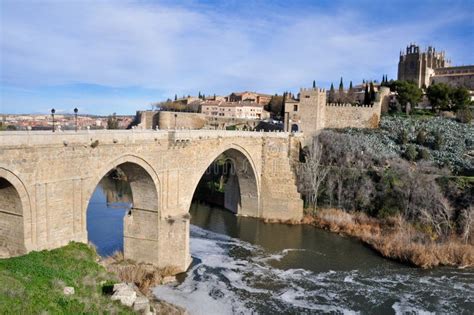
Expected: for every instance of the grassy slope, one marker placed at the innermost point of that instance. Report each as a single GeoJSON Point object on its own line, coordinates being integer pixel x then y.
{"type": "Point", "coordinates": [34, 283]}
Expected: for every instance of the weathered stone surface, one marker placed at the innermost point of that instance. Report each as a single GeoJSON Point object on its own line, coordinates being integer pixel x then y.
{"type": "Point", "coordinates": [125, 293]}
{"type": "Point", "coordinates": [68, 290]}
{"type": "Point", "coordinates": [47, 186]}
{"type": "Point", "coordinates": [141, 304]}
{"type": "Point", "coordinates": [168, 279]}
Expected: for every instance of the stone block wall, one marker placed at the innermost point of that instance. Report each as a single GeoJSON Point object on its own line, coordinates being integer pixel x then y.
{"type": "Point", "coordinates": [180, 120]}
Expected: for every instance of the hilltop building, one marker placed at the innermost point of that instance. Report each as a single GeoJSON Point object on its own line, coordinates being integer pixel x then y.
{"type": "Point", "coordinates": [429, 66]}
{"type": "Point", "coordinates": [309, 113]}
{"type": "Point", "coordinates": [246, 96]}
{"type": "Point", "coordinates": [244, 110]}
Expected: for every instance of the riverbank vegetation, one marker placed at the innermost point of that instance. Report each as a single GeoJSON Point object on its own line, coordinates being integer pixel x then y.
{"type": "Point", "coordinates": [34, 283]}
{"type": "Point", "coordinates": [416, 171]}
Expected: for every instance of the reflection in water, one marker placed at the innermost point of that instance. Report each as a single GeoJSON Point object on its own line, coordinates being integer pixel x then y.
{"type": "Point", "coordinates": [108, 205]}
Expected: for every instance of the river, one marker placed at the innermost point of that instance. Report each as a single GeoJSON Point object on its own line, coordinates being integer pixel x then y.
{"type": "Point", "coordinates": [244, 266]}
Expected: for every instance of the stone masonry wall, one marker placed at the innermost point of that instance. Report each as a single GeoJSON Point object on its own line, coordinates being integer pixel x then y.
{"type": "Point", "coordinates": [60, 171]}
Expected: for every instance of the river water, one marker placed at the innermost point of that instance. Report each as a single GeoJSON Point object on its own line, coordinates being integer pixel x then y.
{"type": "Point", "coordinates": [244, 266]}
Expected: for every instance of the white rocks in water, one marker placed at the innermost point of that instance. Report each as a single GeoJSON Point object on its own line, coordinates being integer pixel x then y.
{"type": "Point", "coordinates": [68, 290]}
{"type": "Point", "coordinates": [142, 304]}
{"type": "Point", "coordinates": [168, 279]}
{"type": "Point", "coordinates": [125, 293]}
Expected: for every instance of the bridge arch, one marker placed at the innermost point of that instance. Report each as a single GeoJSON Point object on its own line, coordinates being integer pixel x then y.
{"type": "Point", "coordinates": [140, 223]}
{"type": "Point", "coordinates": [242, 191]}
{"type": "Point", "coordinates": [15, 215]}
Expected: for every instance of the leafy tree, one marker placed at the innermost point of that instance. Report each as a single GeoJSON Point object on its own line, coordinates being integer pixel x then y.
{"type": "Point", "coordinates": [407, 93]}
{"type": "Point", "coordinates": [275, 106]}
{"type": "Point", "coordinates": [439, 96]}
{"type": "Point", "coordinates": [460, 98]}
{"type": "Point", "coordinates": [332, 94]}
{"type": "Point", "coordinates": [112, 122]}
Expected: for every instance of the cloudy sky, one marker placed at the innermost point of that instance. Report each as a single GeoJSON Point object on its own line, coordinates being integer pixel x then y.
{"type": "Point", "coordinates": [120, 56]}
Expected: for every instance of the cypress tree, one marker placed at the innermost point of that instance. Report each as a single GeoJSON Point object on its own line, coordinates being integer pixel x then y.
{"type": "Point", "coordinates": [314, 84]}
{"type": "Point", "coordinates": [350, 94]}
{"type": "Point", "coordinates": [372, 93]}
{"type": "Point", "coordinates": [176, 97]}
{"type": "Point", "coordinates": [366, 95]}
{"type": "Point", "coordinates": [340, 94]}
{"type": "Point", "coordinates": [332, 94]}
{"type": "Point", "coordinates": [199, 95]}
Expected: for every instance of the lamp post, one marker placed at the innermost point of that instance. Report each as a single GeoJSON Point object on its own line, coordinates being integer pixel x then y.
{"type": "Point", "coordinates": [175, 116]}
{"type": "Point", "coordinates": [75, 116]}
{"type": "Point", "coordinates": [52, 115]}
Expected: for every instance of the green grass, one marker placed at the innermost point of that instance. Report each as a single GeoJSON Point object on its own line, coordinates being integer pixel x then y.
{"type": "Point", "coordinates": [34, 283]}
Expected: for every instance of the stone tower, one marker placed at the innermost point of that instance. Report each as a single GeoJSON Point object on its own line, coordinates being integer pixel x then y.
{"type": "Point", "coordinates": [419, 66]}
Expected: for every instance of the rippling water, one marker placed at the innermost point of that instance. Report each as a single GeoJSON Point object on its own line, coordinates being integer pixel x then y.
{"type": "Point", "coordinates": [243, 266]}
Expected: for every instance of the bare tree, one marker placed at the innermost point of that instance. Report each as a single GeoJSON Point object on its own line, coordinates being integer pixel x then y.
{"type": "Point", "coordinates": [311, 174]}
{"type": "Point", "coordinates": [467, 220]}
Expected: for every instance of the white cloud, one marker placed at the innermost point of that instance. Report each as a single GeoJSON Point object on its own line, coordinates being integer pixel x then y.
{"type": "Point", "coordinates": [183, 50]}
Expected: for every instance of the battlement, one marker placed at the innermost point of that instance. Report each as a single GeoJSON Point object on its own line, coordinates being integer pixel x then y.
{"type": "Point", "coordinates": [361, 106]}
{"type": "Point", "coordinates": [316, 89]}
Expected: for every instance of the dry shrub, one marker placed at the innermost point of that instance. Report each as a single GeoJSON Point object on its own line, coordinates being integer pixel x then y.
{"type": "Point", "coordinates": [144, 276]}
{"type": "Point", "coordinates": [396, 239]}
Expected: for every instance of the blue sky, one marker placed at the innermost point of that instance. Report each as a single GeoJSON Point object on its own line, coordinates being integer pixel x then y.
{"type": "Point", "coordinates": [121, 56]}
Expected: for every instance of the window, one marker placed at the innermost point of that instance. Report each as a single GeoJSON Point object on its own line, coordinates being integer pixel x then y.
{"type": "Point", "coordinates": [295, 108]}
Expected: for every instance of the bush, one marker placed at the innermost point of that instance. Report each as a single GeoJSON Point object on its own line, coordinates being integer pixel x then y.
{"type": "Point", "coordinates": [438, 140]}
{"type": "Point", "coordinates": [421, 137]}
{"type": "Point", "coordinates": [464, 115]}
{"type": "Point", "coordinates": [411, 153]}
{"type": "Point", "coordinates": [403, 137]}
{"type": "Point", "coordinates": [424, 154]}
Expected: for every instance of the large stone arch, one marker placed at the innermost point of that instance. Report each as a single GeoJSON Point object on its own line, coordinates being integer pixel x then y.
{"type": "Point", "coordinates": [244, 184]}
{"type": "Point", "coordinates": [15, 215]}
{"type": "Point", "coordinates": [141, 223]}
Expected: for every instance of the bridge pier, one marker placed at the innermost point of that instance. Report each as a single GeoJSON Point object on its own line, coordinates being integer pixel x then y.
{"type": "Point", "coordinates": [161, 242]}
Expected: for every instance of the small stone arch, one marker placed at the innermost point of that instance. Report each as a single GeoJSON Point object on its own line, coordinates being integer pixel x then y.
{"type": "Point", "coordinates": [243, 196]}
{"type": "Point", "coordinates": [294, 128]}
{"type": "Point", "coordinates": [15, 215]}
{"type": "Point", "coordinates": [124, 160]}
{"type": "Point", "coordinates": [141, 223]}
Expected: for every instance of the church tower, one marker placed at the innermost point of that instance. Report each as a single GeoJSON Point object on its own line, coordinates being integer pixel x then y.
{"type": "Point", "coordinates": [419, 66]}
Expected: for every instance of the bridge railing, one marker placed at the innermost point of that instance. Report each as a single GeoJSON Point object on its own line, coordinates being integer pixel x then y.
{"type": "Point", "coordinates": [30, 138]}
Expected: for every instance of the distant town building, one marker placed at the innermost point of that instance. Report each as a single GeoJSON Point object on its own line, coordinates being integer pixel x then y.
{"type": "Point", "coordinates": [244, 110]}
{"type": "Point", "coordinates": [429, 66]}
{"type": "Point", "coordinates": [246, 96]}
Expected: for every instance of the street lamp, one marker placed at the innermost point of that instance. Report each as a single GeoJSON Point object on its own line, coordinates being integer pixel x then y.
{"type": "Point", "coordinates": [75, 116]}
{"type": "Point", "coordinates": [52, 115]}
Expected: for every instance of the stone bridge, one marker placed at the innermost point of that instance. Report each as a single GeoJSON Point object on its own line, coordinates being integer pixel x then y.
{"type": "Point", "coordinates": [47, 179]}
